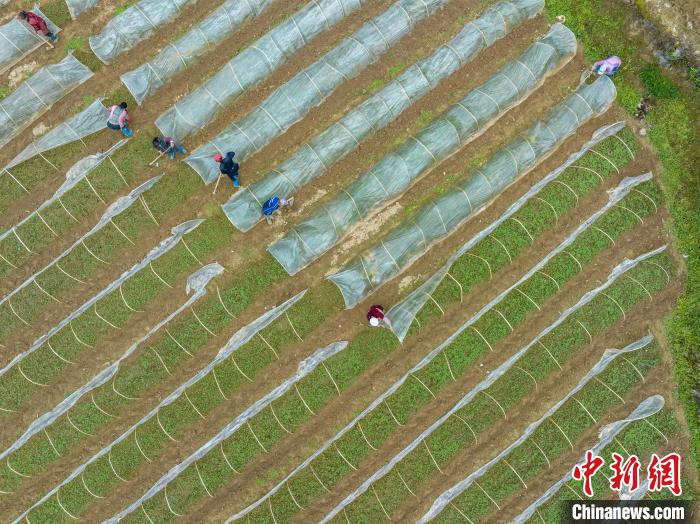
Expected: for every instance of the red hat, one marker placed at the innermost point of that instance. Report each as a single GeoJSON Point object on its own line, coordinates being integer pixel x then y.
{"type": "Point", "coordinates": [218, 157]}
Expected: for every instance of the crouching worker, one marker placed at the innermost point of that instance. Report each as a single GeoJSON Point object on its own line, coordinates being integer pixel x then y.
{"type": "Point", "coordinates": [228, 167]}
{"type": "Point", "coordinates": [376, 317]}
{"type": "Point", "coordinates": [119, 119]}
{"type": "Point", "coordinates": [38, 24]}
{"type": "Point", "coordinates": [608, 67]}
{"type": "Point", "coordinates": [274, 204]}
{"type": "Point", "coordinates": [167, 144]}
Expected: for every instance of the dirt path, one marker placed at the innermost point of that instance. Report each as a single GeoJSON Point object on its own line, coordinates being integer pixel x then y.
{"type": "Point", "coordinates": [328, 333]}
{"type": "Point", "coordinates": [345, 97]}
{"type": "Point", "coordinates": [498, 437]}
{"type": "Point", "coordinates": [376, 380]}
{"type": "Point", "coordinates": [144, 116]}
{"type": "Point", "coordinates": [518, 119]}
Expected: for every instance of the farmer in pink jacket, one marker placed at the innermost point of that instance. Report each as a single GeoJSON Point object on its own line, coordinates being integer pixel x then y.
{"type": "Point", "coordinates": [608, 67]}
{"type": "Point", "coordinates": [119, 119]}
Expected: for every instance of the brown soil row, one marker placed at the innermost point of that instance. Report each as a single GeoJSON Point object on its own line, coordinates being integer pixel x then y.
{"type": "Point", "coordinates": [143, 117]}
{"type": "Point", "coordinates": [193, 439]}
{"type": "Point", "coordinates": [87, 24]}
{"type": "Point", "coordinates": [518, 118]}
{"type": "Point", "coordinates": [513, 507]}
{"type": "Point", "coordinates": [521, 116]}
{"type": "Point", "coordinates": [498, 437]}
{"type": "Point", "coordinates": [336, 413]}
{"type": "Point", "coordinates": [324, 335]}
{"type": "Point", "coordinates": [335, 106]}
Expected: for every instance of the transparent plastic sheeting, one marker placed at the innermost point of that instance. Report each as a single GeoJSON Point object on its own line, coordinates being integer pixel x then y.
{"type": "Point", "coordinates": [401, 315]}
{"type": "Point", "coordinates": [186, 50]}
{"type": "Point", "coordinates": [74, 175]}
{"type": "Point", "coordinates": [616, 273]}
{"type": "Point", "coordinates": [132, 26]}
{"type": "Point", "coordinates": [90, 120]}
{"type": "Point", "coordinates": [648, 407]}
{"type": "Point", "coordinates": [244, 209]}
{"type": "Point", "coordinates": [38, 93]}
{"type": "Point", "coordinates": [608, 356]}
{"type": "Point", "coordinates": [290, 102]}
{"type": "Point", "coordinates": [399, 169]}
{"type": "Point", "coordinates": [306, 366]}
{"type": "Point", "coordinates": [242, 336]}
{"type": "Point", "coordinates": [18, 39]}
{"type": "Point", "coordinates": [166, 245]}
{"type": "Point", "coordinates": [78, 7]}
{"type": "Point", "coordinates": [438, 219]}
{"type": "Point", "coordinates": [115, 209]}
{"type": "Point", "coordinates": [194, 111]}
{"type": "Point", "coordinates": [619, 270]}
{"type": "Point", "coordinates": [196, 282]}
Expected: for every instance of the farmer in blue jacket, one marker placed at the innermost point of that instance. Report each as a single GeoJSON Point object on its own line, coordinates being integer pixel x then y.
{"type": "Point", "coordinates": [228, 167]}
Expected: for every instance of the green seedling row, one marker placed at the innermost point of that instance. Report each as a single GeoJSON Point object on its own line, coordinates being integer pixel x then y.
{"type": "Point", "coordinates": [81, 202]}
{"type": "Point", "coordinates": [537, 216]}
{"type": "Point", "coordinates": [86, 332]}
{"type": "Point", "coordinates": [641, 438]}
{"type": "Point", "coordinates": [36, 455]}
{"type": "Point", "coordinates": [294, 409]}
{"type": "Point", "coordinates": [461, 430]}
{"type": "Point", "coordinates": [165, 356]}
{"type": "Point", "coordinates": [562, 432]}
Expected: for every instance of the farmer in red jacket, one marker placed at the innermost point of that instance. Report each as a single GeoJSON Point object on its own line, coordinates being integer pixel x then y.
{"type": "Point", "coordinates": [37, 23]}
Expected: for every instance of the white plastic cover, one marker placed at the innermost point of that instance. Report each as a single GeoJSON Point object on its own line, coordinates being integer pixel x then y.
{"type": "Point", "coordinates": [306, 366]}
{"type": "Point", "coordinates": [118, 207]}
{"type": "Point", "coordinates": [244, 209]}
{"type": "Point", "coordinates": [166, 245]}
{"type": "Point", "coordinates": [239, 338]}
{"type": "Point", "coordinates": [18, 39]}
{"type": "Point", "coordinates": [78, 7]}
{"type": "Point", "coordinates": [401, 315]}
{"type": "Point", "coordinates": [610, 354]}
{"type": "Point", "coordinates": [137, 23]}
{"type": "Point", "coordinates": [90, 120]}
{"type": "Point", "coordinates": [398, 170]}
{"type": "Point", "coordinates": [38, 93]}
{"type": "Point", "coordinates": [616, 273]}
{"type": "Point", "coordinates": [290, 102]}
{"type": "Point", "coordinates": [439, 218]}
{"type": "Point", "coordinates": [194, 111]}
{"type": "Point", "coordinates": [149, 77]}
{"type": "Point", "coordinates": [648, 407]}
{"type": "Point", "coordinates": [196, 282]}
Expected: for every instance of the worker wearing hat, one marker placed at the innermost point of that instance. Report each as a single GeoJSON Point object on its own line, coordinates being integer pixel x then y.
{"type": "Point", "coordinates": [228, 167]}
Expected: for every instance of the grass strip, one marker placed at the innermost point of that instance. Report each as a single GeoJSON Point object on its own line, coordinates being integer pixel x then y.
{"type": "Point", "coordinates": [374, 429]}
{"type": "Point", "coordinates": [40, 368]}
{"type": "Point", "coordinates": [295, 408]}
{"type": "Point", "coordinates": [641, 438]}
{"type": "Point", "coordinates": [606, 29]}
{"type": "Point", "coordinates": [566, 430]}
{"type": "Point", "coordinates": [164, 357]}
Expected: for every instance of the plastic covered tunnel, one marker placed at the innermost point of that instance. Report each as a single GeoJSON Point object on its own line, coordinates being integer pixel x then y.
{"type": "Point", "coordinates": [244, 209]}
{"type": "Point", "coordinates": [439, 218]}
{"type": "Point", "coordinates": [399, 169]}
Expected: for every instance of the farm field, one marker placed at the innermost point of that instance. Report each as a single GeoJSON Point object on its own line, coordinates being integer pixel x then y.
{"type": "Point", "coordinates": [168, 353]}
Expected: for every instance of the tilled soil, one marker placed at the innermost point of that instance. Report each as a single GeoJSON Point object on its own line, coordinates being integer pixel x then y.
{"type": "Point", "coordinates": [336, 105]}
{"type": "Point", "coordinates": [343, 325]}
{"type": "Point", "coordinates": [336, 413]}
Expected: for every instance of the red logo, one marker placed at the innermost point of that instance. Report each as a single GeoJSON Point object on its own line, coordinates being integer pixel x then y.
{"type": "Point", "coordinates": [665, 473]}
{"type": "Point", "coordinates": [624, 473]}
{"type": "Point", "coordinates": [662, 472]}
{"type": "Point", "coordinates": [586, 471]}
